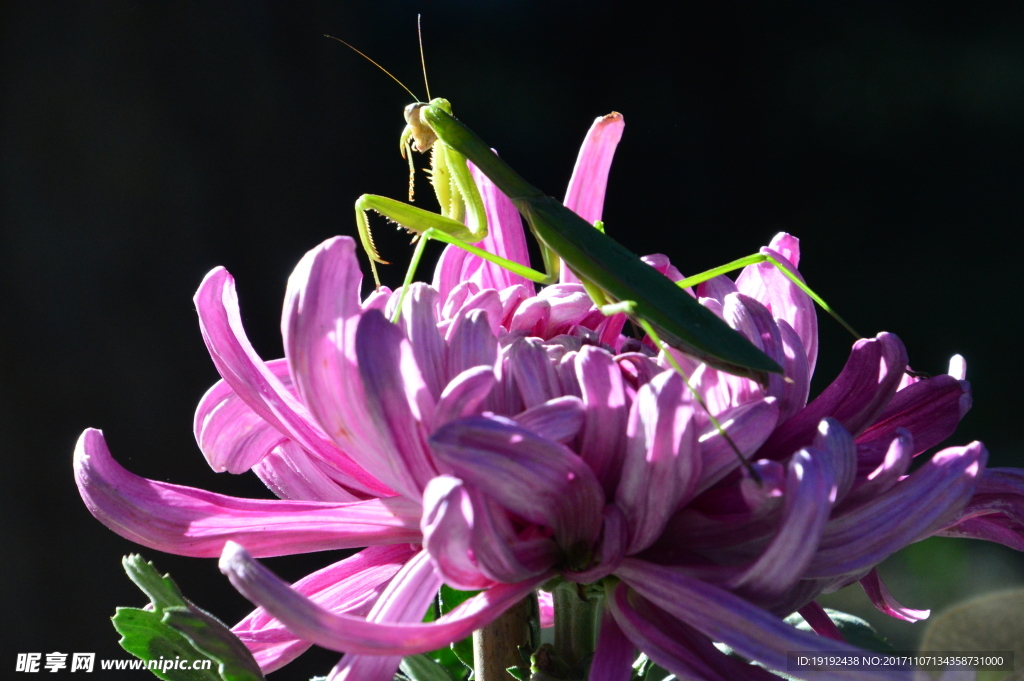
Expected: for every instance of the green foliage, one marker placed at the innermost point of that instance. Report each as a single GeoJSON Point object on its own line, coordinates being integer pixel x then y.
{"type": "Point", "coordinates": [856, 631]}
{"type": "Point", "coordinates": [172, 627]}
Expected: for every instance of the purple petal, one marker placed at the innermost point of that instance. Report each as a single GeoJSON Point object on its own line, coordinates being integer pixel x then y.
{"type": "Point", "coordinates": [350, 586]}
{"type": "Point", "coordinates": [820, 622]}
{"type": "Point", "coordinates": [855, 399]}
{"type": "Point", "coordinates": [419, 322]}
{"type": "Point", "coordinates": [534, 375]}
{"type": "Point", "coordinates": [487, 301]}
{"type": "Point", "coordinates": [996, 511]}
{"type": "Point", "coordinates": [539, 480]}
{"type": "Point", "coordinates": [602, 443]}
{"type": "Point", "coordinates": [447, 527]}
{"type": "Point", "coordinates": [231, 435]}
{"type": "Point", "coordinates": [464, 394]}
{"type": "Point", "coordinates": [919, 505]}
{"type": "Point", "coordinates": [893, 467]}
{"type": "Point", "coordinates": [558, 420]}
{"type": "Point", "coordinates": [747, 425]}
{"type": "Point", "coordinates": [784, 298]}
{"type": "Point", "coordinates": [193, 522]}
{"type": "Point", "coordinates": [471, 342]}
{"type": "Point", "coordinates": [291, 473]}
{"type": "Point", "coordinates": [809, 484]}
{"type": "Point", "coordinates": [570, 306]}
{"type": "Point", "coordinates": [753, 320]}
{"type": "Point", "coordinates": [614, 540]}
{"type": "Point", "coordinates": [662, 462]}
{"type": "Point", "coordinates": [930, 409]}
{"type": "Point", "coordinates": [405, 599]}
{"type": "Point", "coordinates": [880, 597]}
{"type": "Point", "coordinates": [838, 454]}
{"type": "Point", "coordinates": [341, 632]}
{"type": "Point", "coordinates": [365, 668]}
{"type": "Point", "coordinates": [723, 617]}
{"type": "Point", "coordinates": [500, 553]}
{"type": "Point", "coordinates": [613, 656]}
{"type": "Point", "coordinates": [585, 194]}
{"type": "Point", "coordinates": [397, 401]}
{"type": "Point", "coordinates": [674, 645]}
{"type": "Point", "coordinates": [795, 391]}
{"type": "Point", "coordinates": [321, 312]}
{"type": "Point", "coordinates": [256, 385]}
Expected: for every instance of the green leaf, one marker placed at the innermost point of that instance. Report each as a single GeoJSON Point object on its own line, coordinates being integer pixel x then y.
{"type": "Point", "coordinates": [422, 668]}
{"type": "Point", "coordinates": [856, 631]}
{"type": "Point", "coordinates": [450, 599]}
{"type": "Point", "coordinates": [175, 628]}
{"type": "Point", "coordinates": [145, 636]}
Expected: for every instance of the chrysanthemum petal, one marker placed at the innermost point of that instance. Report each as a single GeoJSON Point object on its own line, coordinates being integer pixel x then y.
{"type": "Point", "coordinates": [193, 522]}
{"type": "Point", "coordinates": [350, 586]}
{"type": "Point", "coordinates": [996, 511]}
{"type": "Point", "coordinates": [675, 646]}
{"type": "Point", "coordinates": [230, 434]}
{"type": "Point", "coordinates": [602, 442]}
{"type": "Point", "coordinates": [880, 597]}
{"type": "Point", "coordinates": [318, 325]}
{"type": "Point", "coordinates": [472, 342]}
{"type": "Point", "coordinates": [930, 409]}
{"type": "Point", "coordinates": [585, 194]}
{"type": "Point", "coordinates": [505, 238]}
{"type": "Point", "coordinates": [419, 322]}
{"type": "Point", "coordinates": [613, 656]}
{"type": "Point", "coordinates": [291, 473]}
{"type": "Point", "coordinates": [447, 525]}
{"type": "Point", "coordinates": [404, 600]}
{"type": "Point", "coordinates": [662, 462]}
{"type": "Point", "coordinates": [929, 498]}
{"type": "Point", "coordinates": [539, 480]}
{"type": "Point", "coordinates": [356, 635]}
{"type": "Point", "coordinates": [256, 385]}
{"type": "Point", "coordinates": [747, 629]}
{"type": "Point", "coordinates": [809, 484]}
{"type": "Point", "coordinates": [398, 403]}
{"type": "Point", "coordinates": [860, 393]}
{"type": "Point", "coordinates": [747, 425]}
{"type": "Point", "coordinates": [558, 420]}
{"type": "Point", "coordinates": [784, 298]}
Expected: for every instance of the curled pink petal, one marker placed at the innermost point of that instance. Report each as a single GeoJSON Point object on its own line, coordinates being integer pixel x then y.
{"type": "Point", "coordinates": [539, 480]}
{"type": "Point", "coordinates": [351, 586]}
{"type": "Point", "coordinates": [357, 635]}
{"type": "Point", "coordinates": [193, 522]}
{"type": "Point", "coordinates": [880, 597]}
{"type": "Point", "coordinates": [585, 194]}
{"type": "Point", "coordinates": [855, 399]}
{"type": "Point", "coordinates": [257, 386]}
{"type": "Point", "coordinates": [747, 629]}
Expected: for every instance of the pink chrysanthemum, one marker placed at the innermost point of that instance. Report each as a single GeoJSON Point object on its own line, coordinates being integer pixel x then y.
{"type": "Point", "coordinates": [496, 438]}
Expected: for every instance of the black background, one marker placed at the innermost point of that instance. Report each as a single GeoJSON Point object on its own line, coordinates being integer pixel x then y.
{"type": "Point", "coordinates": [142, 144]}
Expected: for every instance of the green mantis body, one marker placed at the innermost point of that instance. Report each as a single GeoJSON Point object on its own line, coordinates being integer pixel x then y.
{"type": "Point", "coordinates": [615, 278]}
{"type": "Point", "coordinates": [613, 275]}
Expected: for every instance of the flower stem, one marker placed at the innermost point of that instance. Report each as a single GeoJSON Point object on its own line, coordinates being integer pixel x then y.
{"type": "Point", "coordinates": [496, 646]}
{"type": "Point", "coordinates": [577, 623]}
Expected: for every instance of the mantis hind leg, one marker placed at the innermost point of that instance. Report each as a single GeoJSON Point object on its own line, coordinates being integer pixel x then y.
{"type": "Point", "coordinates": [756, 259]}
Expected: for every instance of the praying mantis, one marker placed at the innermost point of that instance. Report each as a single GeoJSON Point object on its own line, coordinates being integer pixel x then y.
{"type": "Point", "coordinates": [615, 278]}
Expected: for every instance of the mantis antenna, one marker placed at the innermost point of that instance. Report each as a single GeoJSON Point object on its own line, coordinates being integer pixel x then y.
{"type": "Point", "coordinates": [390, 75]}
{"type": "Point", "coordinates": [423, 59]}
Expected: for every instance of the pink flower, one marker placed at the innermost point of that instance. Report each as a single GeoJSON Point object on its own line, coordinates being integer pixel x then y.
{"type": "Point", "coordinates": [496, 438]}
